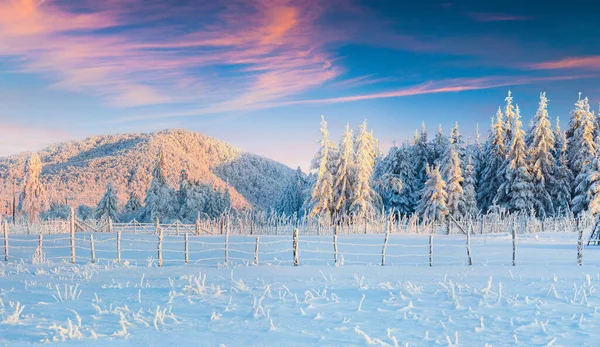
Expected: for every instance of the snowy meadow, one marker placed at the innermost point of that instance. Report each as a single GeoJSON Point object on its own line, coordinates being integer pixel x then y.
{"type": "Point", "coordinates": [546, 299]}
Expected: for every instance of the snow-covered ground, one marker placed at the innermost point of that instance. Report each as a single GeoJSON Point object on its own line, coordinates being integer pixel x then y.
{"type": "Point", "coordinates": [545, 300]}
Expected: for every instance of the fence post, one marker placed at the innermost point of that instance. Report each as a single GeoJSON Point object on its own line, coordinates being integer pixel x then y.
{"type": "Point", "coordinates": [160, 240]}
{"type": "Point", "coordinates": [198, 225]}
{"type": "Point", "coordinates": [431, 250]}
{"type": "Point", "coordinates": [470, 260]}
{"type": "Point", "coordinates": [110, 225]}
{"type": "Point", "coordinates": [5, 232]}
{"type": "Point", "coordinates": [335, 245]}
{"type": "Point", "coordinates": [186, 250]}
{"type": "Point", "coordinates": [579, 245]}
{"type": "Point", "coordinates": [295, 245]}
{"type": "Point", "coordinates": [226, 246]}
{"type": "Point", "coordinates": [92, 249]}
{"type": "Point", "coordinates": [119, 246]}
{"type": "Point", "coordinates": [514, 243]}
{"type": "Point", "coordinates": [385, 242]}
{"type": "Point", "coordinates": [72, 232]}
{"type": "Point", "coordinates": [40, 243]}
{"type": "Point", "coordinates": [256, 251]}
{"type": "Point", "coordinates": [134, 227]}
{"type": "Point", "coordinates": [448, 226]}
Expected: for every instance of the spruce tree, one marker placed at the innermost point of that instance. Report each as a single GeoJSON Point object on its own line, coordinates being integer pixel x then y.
{"type": "Point", "coordinates": [160, 201]}
{"type": "Point", "coordinates": [510, 122]}
{"type": "Point", "coordinates": [541, 158]}
{"type": "Point", "coordinates": [440, 147]}
{"type": "Point", "coordinates": [432, 205]}
{"type": "Point", "coordinates": [345, 174]}
{"type": "Point", "coordinates": [469, 197]}
{"type": "Point", "coordinates": [492, 161]}
{"type": "Point", "coordinates": [108, 207]}
{"type": "Point", "coordinates": [563, 178]}
{"type": "Point", "coordinates": [516, 192]}
{"type": "Point", "coordinates": [582, 160]}
{"type": "Point", "coordinates": [32, 200]}
{"type": "Point", "coordinates": [321, 202]}
{"type": "Point", "coordinates": [365, 200]}
{"type": "Point", "coordinates": [293, 196]}
{"type": "Point", "coordinates": [454, 179]}
{"type": "Point", "coordinates": [575, 144]}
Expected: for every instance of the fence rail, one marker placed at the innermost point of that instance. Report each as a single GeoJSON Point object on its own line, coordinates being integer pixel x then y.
{"type": "Point", "coordinates": [188, 247]}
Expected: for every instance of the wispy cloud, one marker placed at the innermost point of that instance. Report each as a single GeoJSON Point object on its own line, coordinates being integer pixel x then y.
{"type": "Point", "coordinates": [273, 46]}
{"type": "Point", "coordinates": [431, 87]}
{"type": "Point", "coordinates": [496, 17]}
{"type": "Point", "coordinates": [589, 62]}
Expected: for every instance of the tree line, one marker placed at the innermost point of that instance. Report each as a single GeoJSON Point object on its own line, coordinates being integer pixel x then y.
{"type": "Point", "coordinates": [541, 171]}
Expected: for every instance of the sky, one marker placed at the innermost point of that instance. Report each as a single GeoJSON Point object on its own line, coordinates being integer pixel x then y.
{"type": "Point", "coordinates": [259, 74]}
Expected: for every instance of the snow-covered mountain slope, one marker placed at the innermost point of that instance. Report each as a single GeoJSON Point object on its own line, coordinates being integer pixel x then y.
{"type": "Point", "coordinates": [79, 170]}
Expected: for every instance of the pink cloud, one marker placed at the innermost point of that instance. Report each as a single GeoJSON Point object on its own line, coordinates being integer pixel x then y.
{"type": "Point", "coordinates": [591, 62]}
{"type": "Point", "coordinates": [496, 17]}
{"type": "Point", "coordinates": [432, 87]}
{"type": "Point", "coordinates": [274, 45]}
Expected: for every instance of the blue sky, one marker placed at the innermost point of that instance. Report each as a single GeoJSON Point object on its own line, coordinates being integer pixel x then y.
{"type": "Point", "coordinates": [259, 74]}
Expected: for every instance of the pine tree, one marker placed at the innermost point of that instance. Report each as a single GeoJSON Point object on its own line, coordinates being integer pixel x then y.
{"type": "Point", "coordinates": [582, 160]}
{"type": "Point", "coordinates": [516, 192]}
{"type": "Point", "coordinates": [563, 178]}
{"type": "Point", "coordinates": [345, 174]}
{"type": "Point", "coordinates": [108, 207]}
{"type": "Point", "coordinates": [541, 159]}
{"type": "Point", "coordinates": [432, 205]}
{"type": "Point", "coordinates": [492, 161]}
{"type": "Point", "coordinates": [160, 201]}
{"type": "Point", "coordinates": [510, 123]}
{"type": "Point", "coordinates": [365, 201]}
{"type": "Point", "coordinates": [322, 203]}
{"type": "Point", "coordinates": [454, 179]}
{"type": "Point", "coordinates": [293, 196]}
{"type": "Point", "coordinates": [440, 147]}
{"type": "Point", "coordinates": [575, 144]}
{"type": "Point", "coordinates": [33, 199]}
{"type": "Point", "coordinates": [469, 198]}
{"type": "Point", "coordinates": [421, 157]}
{"type": "Point", "coordinates": [594, 187]}
{"type": "Point", "coordinates": [134, 203]}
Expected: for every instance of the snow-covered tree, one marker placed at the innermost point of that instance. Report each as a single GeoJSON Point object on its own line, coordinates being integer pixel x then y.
{"type": "Point", "coordinates": [563, 178]}
{"type": "Point", "coordinates": [345, 174]}
{"type": "Point", "coordinates": [594, 187]}
{"type": "Point", "coordinates": [133, 205]}
{"type": "Point", "coordinates": [161, 200]}
{"type": "Point", "coordinates": [321, 202]}
{"type": "Point", "coordinates": [397, 180]}
{"type": "Point", "coordinates": [432, 205]}
{"type": "Point", "coordinates": [365, 200]}
{"type": "Point", "coordinates": [440, 147]}
{"type": "Point", "coordinates": [469, 197]}
{"type": "Point", "coordinates": [510, 122]}
{"type": "Point", "coordinates": [421, 157]}
{"type": "Point", "coordinates": [516, 192]}
{"type": "Point", "coordinates": [33, 199]}
{"type": "Point", "coordinates": [108, 207]}
{"type": "Point", "coordinates": [293, 196]}
{"type": "Point", "coordinates": [493, 158]}
{"type": "Point", "coordinates": [579, 149]}
{"type": "Point", "coordinates": [541, 158]}
{"type": "Point", "coordinates": [582, 160]}
{"type": "Point", "coordinates": [454, 180]}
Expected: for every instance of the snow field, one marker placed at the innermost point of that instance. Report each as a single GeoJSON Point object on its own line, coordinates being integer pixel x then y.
{"type": "Point", "coordinates": [545, 300]}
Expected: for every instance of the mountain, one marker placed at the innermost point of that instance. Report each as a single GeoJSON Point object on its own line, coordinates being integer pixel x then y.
{"type": "Point", "coordinates": [78, 171]}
